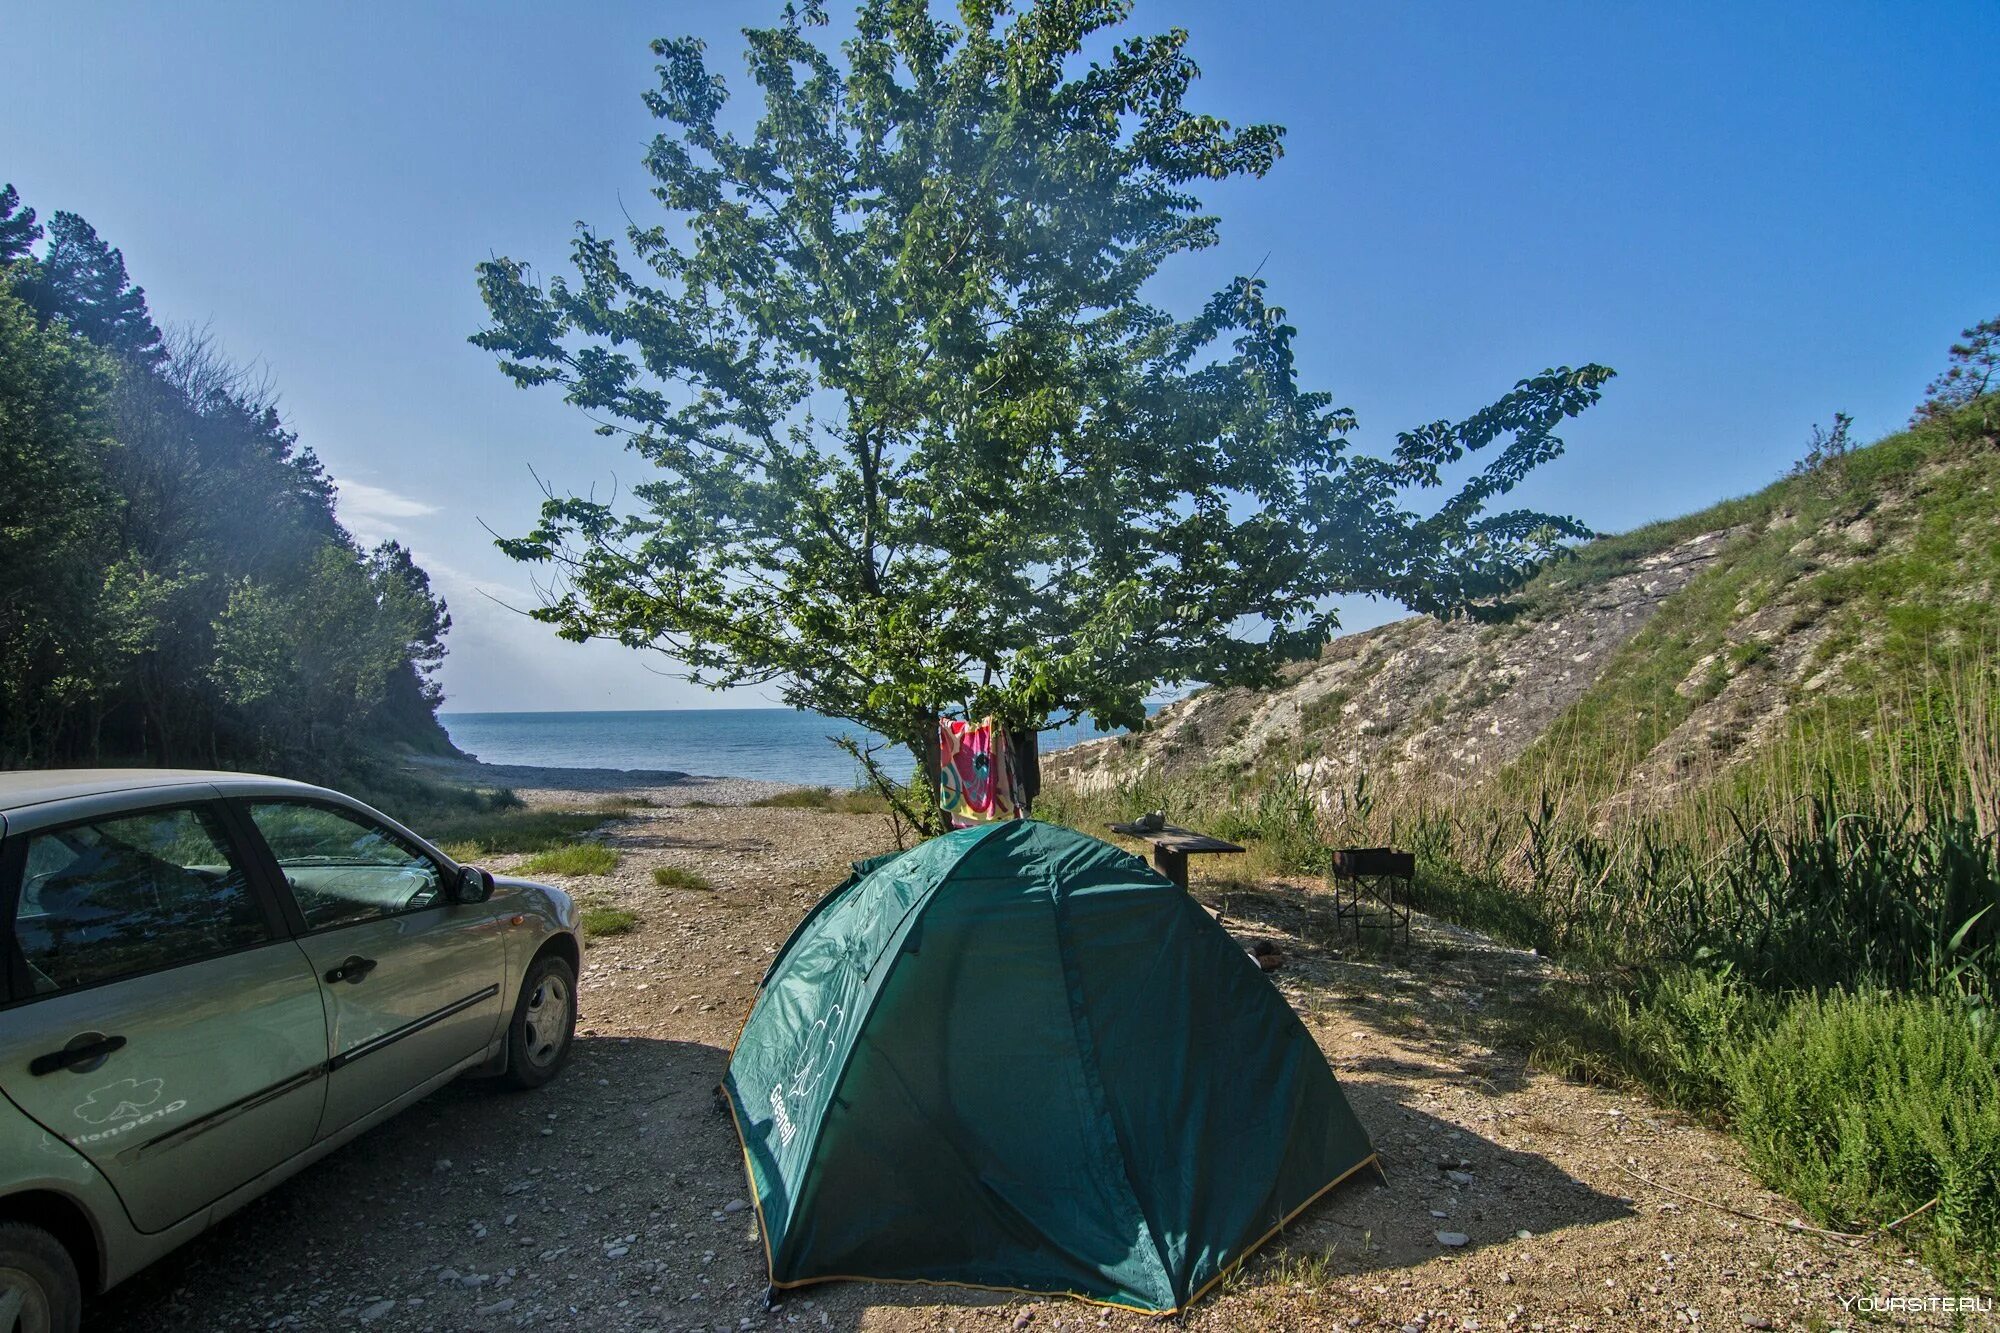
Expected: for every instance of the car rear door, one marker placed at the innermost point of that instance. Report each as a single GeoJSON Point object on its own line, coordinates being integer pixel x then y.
{"type": "Point", "coordinates": [158, 1018]}
{"type": "Point", "coordinates": [411, 979]}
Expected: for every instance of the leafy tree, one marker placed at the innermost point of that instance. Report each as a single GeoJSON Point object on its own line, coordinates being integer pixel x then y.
{"type": "Point", "coordinates": [174, 584]}
{"type": "Point", "coordinates": [303, 663]}
{"type": "Point", "coordinates": [18, 228]}
{"type": "Point", "coordinates": [83, 280]}
{"type": "Point", "coordinates": [253, 649]}
{"type": "Point", "coordinates": [55, 514]}
{"type": "Point", "coordinates": [920, 440]}
{"type": "Point", "coordinates": [407, 600]}
{"type": "Point", "coordinates": [1969, 373]}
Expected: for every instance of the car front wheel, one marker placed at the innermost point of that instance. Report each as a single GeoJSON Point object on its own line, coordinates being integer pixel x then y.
{"type": "Point", "coordinates": [39, 1292]}
{"type": "Point", "coordinates": [538, 1039]}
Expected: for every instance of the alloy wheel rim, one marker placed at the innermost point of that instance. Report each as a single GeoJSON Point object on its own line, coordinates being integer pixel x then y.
{"type": "Point", "coordinates": [547, 1020]}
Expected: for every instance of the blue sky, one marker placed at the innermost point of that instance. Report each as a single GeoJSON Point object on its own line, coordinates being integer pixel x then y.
{"type": "Point", "coordinates": [1758, 214]}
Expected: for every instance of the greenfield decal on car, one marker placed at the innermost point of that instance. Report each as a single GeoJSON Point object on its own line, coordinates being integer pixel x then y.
{"type": "Point", "coordinates": [130, 1102]}
{"type": "Point", "coordinates": [122, 1100]}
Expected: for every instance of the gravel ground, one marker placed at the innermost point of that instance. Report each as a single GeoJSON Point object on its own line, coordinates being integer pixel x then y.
{"type": "Point", "coordinates": [614, 1198]}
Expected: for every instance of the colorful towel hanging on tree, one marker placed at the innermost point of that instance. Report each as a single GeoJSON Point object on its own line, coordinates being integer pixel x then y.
{"type": "Point", "coordinates": [979, 778]}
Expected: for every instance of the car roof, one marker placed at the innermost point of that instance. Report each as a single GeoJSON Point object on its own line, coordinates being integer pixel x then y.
{"type": "Point", "coordinates": [20, 788]}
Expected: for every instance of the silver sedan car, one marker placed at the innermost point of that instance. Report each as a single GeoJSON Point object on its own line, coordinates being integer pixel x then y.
{"type": "Point", "coordinates": [210, 981]}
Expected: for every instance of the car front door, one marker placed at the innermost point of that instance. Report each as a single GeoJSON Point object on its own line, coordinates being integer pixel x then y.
{"type": "Point", "coordinates": [159, 1021]}
{"type": "Point", "coordinates": [411, 979]}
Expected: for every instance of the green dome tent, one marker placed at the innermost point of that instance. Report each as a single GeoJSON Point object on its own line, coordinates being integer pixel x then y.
{"type": "Point", "coordinates": [1016, 1057]}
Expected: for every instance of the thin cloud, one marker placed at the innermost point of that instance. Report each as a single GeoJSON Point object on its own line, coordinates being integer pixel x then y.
{"type": "Point", "coordinates": [371, 506]}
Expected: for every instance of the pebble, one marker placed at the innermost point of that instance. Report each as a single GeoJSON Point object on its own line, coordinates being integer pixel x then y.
{"type": "Point", "coordinates": [504, 1306]}
{"type": "Point", "coordinates": [1453, 1238]}
{"type": "Point", "coordinates": [370, 1313]}
{"type": "Point", "coordinates": [734, 1206]}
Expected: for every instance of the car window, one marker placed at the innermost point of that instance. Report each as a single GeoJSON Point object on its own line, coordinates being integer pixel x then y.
{"type": "Point", "coordinates": [343, 867]}
{"type": "Point", "coordinates": [130, 894]}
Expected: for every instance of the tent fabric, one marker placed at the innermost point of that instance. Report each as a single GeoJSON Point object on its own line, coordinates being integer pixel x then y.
{"type": "Point", "coordinates": [1016, 1057]}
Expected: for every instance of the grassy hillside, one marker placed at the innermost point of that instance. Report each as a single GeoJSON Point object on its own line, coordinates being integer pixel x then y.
{"type": "Point", "coordinates": [1848, 597]}
{"type": "Point", "coordinates": [1760, 830]}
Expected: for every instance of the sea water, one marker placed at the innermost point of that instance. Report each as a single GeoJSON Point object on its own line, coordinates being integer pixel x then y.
{"type": "Point", "coordinates": [774, 744]}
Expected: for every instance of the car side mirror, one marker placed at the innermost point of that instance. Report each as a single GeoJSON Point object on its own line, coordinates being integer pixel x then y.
{"type": "Point", "coordinates": [473, 885]}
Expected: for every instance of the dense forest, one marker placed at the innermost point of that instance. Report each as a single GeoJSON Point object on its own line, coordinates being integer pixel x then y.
{"type": "Point", "coordinates": [175, 587]}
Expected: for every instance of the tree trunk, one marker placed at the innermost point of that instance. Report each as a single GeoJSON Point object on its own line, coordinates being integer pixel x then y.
{"type": "Point", "coordinates": [922, 741]}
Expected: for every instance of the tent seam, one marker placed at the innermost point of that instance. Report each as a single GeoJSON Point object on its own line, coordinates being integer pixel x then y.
{"type": "Point", "coordinates": [906, 925]}
{"type": "Point", "coordinates": [1093, 1076]}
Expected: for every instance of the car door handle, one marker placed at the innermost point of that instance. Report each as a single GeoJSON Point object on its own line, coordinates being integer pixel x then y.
{"type": "Point", "coordinates": [73, 1055]}
{"type": "Point", "coordinates": [353, 969]}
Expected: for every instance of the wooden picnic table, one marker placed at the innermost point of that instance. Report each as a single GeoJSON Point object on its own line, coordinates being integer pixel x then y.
{"type": "Point", "coordinates": [1172, 847]}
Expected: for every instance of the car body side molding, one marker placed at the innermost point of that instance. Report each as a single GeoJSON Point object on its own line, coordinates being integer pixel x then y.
{"type": "Point", "coordinates": [416, 1025]}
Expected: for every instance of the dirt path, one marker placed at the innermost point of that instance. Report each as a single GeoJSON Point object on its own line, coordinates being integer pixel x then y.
{"type": "Point", "coordinates": [614, 1199]}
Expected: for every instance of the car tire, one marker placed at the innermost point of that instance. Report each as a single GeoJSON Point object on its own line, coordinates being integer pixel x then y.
{"type": "Point", "coordinates": [544, 1022]}
{"type": "Point", "coordinates": [38, 1283]}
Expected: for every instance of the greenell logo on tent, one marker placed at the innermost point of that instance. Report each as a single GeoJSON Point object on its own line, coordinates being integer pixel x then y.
{"type": "Point", "coordinates": [1016, 1057]}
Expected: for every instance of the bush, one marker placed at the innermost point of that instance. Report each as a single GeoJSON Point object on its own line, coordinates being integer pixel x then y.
{"type": "Point", "coordinates": [1865, 1107]}
{"type": "Point", "coordinates": [599, 921]}
{"type": "Point", "coordinates": [678, 877]}
{"type": "Point", "coordinates": [576, 858]}
{"type": "Point", "coordinates": [1684, 1027]}
{"type": "Point", "coordinates": [1675, 1035]}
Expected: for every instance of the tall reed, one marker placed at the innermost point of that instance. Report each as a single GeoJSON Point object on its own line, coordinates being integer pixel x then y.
{"type": "Point", "coordinates": [1858, 849]}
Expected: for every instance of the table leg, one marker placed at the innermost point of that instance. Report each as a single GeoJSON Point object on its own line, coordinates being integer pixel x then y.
{"type": "Point", "coordinates": [1173, 864]}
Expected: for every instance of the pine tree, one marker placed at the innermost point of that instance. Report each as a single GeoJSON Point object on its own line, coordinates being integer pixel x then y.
{"type": "Point", "coordinates": [1970, 373]}
{"type": "Point", "coordinates": [18, 229]}
{"type": "Point", "coordinates": [82, 280]}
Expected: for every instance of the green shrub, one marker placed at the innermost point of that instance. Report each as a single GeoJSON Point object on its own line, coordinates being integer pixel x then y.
{"type": "Point", "coordinates": [1674, 1035]}
{"type": "Point", "coordinates": [600, 920]}
{"type": "Point", "coordinates": [1682, 1029]}
{"type": "Point", "coordinates": [575, 858]}
{"type": "Point", "coordinates": [1865, 1107]}
{"type": "Point", "coordinates": [678, 877]}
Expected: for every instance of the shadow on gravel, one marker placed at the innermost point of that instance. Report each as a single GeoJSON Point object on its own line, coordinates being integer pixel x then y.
{"type": "Point", "coordinates": [1488, 1193]}
{"type": "Point", "coordinates": [655, 836]}
{"type": "Point", "coordinates": [1450, 991]}
{"type": "Point", "coordinates": [1369, 1225]}
{"type": "Point", "coordinates": [520, 1194]}
{"type": "Point", "coordinates": [604, 1200]}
